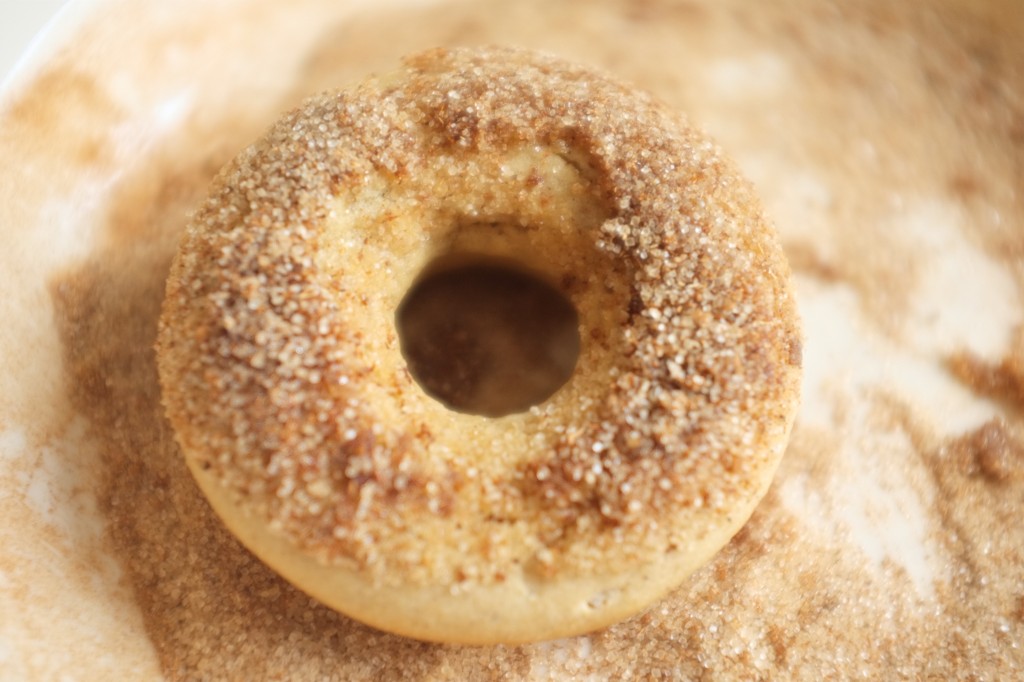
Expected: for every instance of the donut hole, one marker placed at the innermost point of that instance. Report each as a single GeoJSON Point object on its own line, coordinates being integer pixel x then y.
{"type": "Point", "coordinates": [487, 336]}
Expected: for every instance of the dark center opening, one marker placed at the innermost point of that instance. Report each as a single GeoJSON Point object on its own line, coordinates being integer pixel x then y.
{"type": "Point", "coordinates": [487, 338]}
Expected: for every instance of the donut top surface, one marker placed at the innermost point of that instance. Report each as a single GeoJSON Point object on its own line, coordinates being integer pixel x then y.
{"type": "Point", "coordinates": [281, 369]}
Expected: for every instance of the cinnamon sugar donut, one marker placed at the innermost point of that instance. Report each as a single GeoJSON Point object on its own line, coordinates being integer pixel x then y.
{"type": "Point", "coordinates": [284, 381]}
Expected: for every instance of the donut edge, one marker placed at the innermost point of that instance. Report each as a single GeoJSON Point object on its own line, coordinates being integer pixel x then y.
{"type": "Point", "coordinates": [518, 611]}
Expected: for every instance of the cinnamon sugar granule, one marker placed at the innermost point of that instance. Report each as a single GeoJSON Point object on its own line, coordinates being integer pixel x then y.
{"type": "Point", "coordinates": [991, 451]}
{"type": "Point", "coordinates": [1003, 380]}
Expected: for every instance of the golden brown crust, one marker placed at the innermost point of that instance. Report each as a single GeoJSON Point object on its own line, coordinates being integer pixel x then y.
{"type": "Point", "coordinates": [284, 382]}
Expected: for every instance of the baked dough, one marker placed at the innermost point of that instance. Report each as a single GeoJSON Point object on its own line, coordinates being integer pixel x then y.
{"type": "Point", "coordinates": [283, 378]}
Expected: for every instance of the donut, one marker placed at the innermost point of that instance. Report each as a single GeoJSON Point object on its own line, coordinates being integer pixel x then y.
{"type": "Point", "coordinates": [283, 377]}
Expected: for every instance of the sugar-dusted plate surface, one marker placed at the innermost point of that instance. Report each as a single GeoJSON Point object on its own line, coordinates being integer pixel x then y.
{"type": "Point", "coordinates": [888, 145]}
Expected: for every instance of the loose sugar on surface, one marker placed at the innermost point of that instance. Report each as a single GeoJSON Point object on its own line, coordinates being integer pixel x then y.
{"type": "Point", "coordinates": [786, 598]}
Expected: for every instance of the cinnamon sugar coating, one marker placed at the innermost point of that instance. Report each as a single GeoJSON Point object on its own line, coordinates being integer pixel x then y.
{"type": "Point", "coordinates": [283, 378]}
